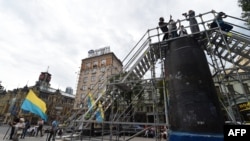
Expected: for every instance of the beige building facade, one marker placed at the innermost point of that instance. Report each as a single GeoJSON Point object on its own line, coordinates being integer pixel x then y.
{"type": "Point", "coordinates": [58, 102]}
{"type": "Point", "coordinates": [95, 71]}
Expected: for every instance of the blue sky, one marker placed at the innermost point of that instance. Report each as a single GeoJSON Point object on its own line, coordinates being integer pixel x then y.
{"type": "Point", "coordinates": [36, 35]}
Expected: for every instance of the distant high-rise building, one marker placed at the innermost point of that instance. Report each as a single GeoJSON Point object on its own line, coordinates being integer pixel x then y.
{"type": "Point", "coordinates": [69, 90]}
{"type": "Point", "coordinates": [100, 65]}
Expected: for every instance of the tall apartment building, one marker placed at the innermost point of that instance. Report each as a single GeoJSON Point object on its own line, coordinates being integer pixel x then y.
{"type": "Point", "coordinates": [100, 65]}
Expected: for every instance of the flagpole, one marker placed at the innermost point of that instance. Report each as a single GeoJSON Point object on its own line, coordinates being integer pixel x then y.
{"type": "Point", "coordinates": [6, 133]}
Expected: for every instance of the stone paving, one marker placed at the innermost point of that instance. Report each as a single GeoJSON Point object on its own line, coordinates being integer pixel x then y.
{"type": "Point", "coordinates": [4, 128]}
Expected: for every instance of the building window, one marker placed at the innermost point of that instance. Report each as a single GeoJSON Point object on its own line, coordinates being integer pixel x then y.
{"type": "Point", "coordinates": [151, 109]}
{"type": "Point", "coordinates": [95, 64]}
{"type": "Point", "coordinates": [230, 89]}
{"type": "Point", "coordinates": [103, 62]}
{"type": "Point", "coordinates": [84, 88]}
{"type": "Point", "coordinates": [103, 69]}
{"type": "Point", "coordinates": [88, 65]}
{"type": "Point", "coordinates": [100, 86]}
{"type": "Point", "coordinates": [82, 96]}
{"type": "Point", "coordinates": [139, 108]}
{"type": "Point", "coordinates": [85, 79]}
{"type": "Point", "coordinates": [92, 78]}
{"type": "Point", "coordinates": [246, 88]}
{"type": "Point", "coordinates": [81, 105]}
{"type": "Point", "coordinates": [86, 72]}
{"type": "Point", "coordinates": [94, 70]}
{"type": "Point", "coordinates": [150, 97]}
{"type": "Point", "coordinates": [92, 86]}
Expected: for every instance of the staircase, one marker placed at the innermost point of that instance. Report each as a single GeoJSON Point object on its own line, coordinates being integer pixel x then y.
{"type": "Point", "coordinates": [235, 51]}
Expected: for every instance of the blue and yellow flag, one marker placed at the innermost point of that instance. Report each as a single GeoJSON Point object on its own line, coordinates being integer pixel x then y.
{"type": "Point", "coordinates": [35, 105]}
{"type": "Point", "coordinates": [91, 102]}
{"type": "Point", "coordinates": [99, 113]}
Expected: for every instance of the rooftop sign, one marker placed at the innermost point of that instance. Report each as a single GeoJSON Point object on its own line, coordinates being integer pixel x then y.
{"type": "Point", "coordinates": [98, 52]}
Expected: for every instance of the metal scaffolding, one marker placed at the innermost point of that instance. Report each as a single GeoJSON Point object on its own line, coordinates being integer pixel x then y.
{"type": "Point", "coordinates": [141, 87]}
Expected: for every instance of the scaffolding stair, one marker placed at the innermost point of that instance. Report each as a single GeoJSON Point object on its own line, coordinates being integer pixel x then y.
{"type": "Point", "coordinates": [138, 70]}
{"type": "Point", "coordinates": [235, 50]}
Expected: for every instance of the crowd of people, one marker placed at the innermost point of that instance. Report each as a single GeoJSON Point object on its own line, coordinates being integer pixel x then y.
{"type": "Point", "coordinates": [21, 127]}
{"type": "Point", "coordinates": [150, 132]}
{"type": "Point", "coordinates": [170, 29]}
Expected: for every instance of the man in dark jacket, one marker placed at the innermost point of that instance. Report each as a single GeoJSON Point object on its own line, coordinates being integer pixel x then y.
{"type": "Point", "coordinates": [164, 28]}
{"type": "Point", "coordinates": [224, 26]}
{"type": "Point", "coordinates": [12, 124]}
{"type": "Point", "coordinates": [194, 26]}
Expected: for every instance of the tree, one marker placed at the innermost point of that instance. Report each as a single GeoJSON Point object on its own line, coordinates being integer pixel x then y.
{"type": "Point", "coordinates": [245, 5]}
{"type": "Point", "coordinates": [2, 90]}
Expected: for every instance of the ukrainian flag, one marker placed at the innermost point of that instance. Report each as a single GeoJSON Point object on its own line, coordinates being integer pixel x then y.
{"type": "Point", "coordinates": [35, 105]}
{"type": "Point", "coordinates": [91, 101]}
{"type": "Point", "coordinates": [100, 113]}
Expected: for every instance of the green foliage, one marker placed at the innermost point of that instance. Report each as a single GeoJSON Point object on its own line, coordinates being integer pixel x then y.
{"type": "Point", "coordinates": [245, 5]}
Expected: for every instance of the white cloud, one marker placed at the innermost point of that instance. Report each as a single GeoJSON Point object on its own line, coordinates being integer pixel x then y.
{"type": "Point", "coordinates": [35, 34]}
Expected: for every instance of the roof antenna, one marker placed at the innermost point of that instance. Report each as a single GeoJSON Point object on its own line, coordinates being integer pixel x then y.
{"type": "Point", "coordinates": [48, 69]}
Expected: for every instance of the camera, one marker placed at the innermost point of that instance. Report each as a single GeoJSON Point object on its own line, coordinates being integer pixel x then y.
{"type": "Point", "coordinates": [184, 14]}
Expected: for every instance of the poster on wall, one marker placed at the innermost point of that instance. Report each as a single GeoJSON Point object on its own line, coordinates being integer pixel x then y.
{"type": "Point", "coordinates": [244, 109]}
